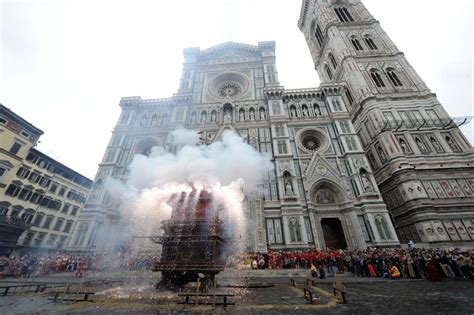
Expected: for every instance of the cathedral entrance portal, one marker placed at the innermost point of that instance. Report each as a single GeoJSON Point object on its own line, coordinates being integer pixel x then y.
{"type": "Point", "coordinates": [333, 233]}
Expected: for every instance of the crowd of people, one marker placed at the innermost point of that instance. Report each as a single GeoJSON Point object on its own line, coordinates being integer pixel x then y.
{"type": "Point", "coordinates": [415, 263]}
{"type": "Point", "coordinates": [34, 265]}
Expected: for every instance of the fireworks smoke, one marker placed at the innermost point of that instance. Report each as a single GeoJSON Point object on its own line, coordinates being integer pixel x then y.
{"type": "Point", "coordinates": [230, 169]}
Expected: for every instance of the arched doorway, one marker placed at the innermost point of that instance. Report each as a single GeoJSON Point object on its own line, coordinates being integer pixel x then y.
{"type": "Point", "coordinates": [333, 233]}
{"type": "Point", "coordinates": [329, 204]}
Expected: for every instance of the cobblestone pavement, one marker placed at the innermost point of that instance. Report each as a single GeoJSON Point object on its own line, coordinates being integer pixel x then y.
{"type": "Point", "coordinates": [365, 296]}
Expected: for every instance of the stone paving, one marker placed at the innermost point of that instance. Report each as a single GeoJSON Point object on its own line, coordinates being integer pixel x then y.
{"type": "Point", "coordinates": [136, 294]}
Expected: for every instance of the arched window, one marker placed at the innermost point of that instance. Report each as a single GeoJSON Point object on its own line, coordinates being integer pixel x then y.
{"type": "Point", "coordinates": [382, 228]}
{"type": "Point", "coordinates": [295, 233]}
{"type": "Point", "coordinates": [282, 147]}
{"type": "Point", "coordinates": [328, 71]}
{"type": "Point", "coordinates": [333, 60]}
{"type": "Point", "coordinates": [370, 43]}
{"type": "Point", "coordinates": [319, 35]}
{"type": "Point", "coordinates": [351, 144]}
{"type": "Point", "coordinates": [393, 77]}
{"type": "Point", "coordinates": [349, 97]}
{"type": "Point", "coordinates": [343, 15]}
{"type": "Point", "coordinates": [356, 44]}
{"type": "Point", "coordinates": [279, 130]}
{"type": "Point", "coordinates": [348, 15]}
{"type": "Point", "coordinates": [377, 79]}
{"type": "Point", "coordinates": [379, 229]}
{"type": "Point", "coordinates": [336, 105]}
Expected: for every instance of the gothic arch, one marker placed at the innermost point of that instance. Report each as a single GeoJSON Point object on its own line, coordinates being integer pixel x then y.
{"type": "Point", "coordinates": [382, 227]}
{"type": "Point", "coordinates": [394, 76]}
{"type": "Point", "coordinates": [377, 78]}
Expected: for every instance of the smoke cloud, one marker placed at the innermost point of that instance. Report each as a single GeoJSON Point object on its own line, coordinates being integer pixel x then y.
{"type": "Point", "coordinates": [229, 168]}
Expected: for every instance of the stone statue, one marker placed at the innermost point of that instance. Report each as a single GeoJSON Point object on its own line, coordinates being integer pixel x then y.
{"type": "Point", "coordinates": [203, 117]}
{"type": "Point", "coordinates": [293, 112]}
{"type": "Point", "coordinates": [213, 117]}
{"type": "Point", "coordinates": [421, 145]}
{"type": "Point", "coordinates": [305, 112]}
{"type": "Point", "coordinates": [252, 115]}
{"type": "Point", "coordinates": [404, 146]}
{"type": "Point", "coordinates": [241, 116]}
{"type": "Point", "coordinates": [317, 110]}
{"type": "Point", "coordinates": [262, 114]}
{"type": "Point", "coordinates": [452, 144]}
{"type": "Point", "coordinates": [288, 188]}
{"type": "Point", "coordinates": [366, 181]}
{"type": "Point", "coordinates": [436, 144]}
{"type": "Point", "coordinates": [193, 118]}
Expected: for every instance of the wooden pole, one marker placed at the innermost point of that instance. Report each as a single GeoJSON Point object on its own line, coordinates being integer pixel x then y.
{"type": "Point", "coordinates": [197, 292]}
{"type": "Point", "coordinates": [215, 287]}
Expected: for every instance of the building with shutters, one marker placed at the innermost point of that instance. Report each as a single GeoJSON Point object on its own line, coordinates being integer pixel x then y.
{"type": "Point", "coordinates": [37, 193]}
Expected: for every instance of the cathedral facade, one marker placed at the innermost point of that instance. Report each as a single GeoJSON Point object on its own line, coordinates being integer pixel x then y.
{"type": "Point", "coordinates": [368, 158]}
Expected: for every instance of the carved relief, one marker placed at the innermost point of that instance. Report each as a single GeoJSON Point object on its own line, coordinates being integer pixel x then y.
{"type": "Point", "coordinates": [439, 191]}
{"type": "Point", "coordinates": [465, 187]}
{"type": "Point", "coordinates": [429, 189]}
{"type": "Point", "coordinates": [448, 189]}
{"type": "Point", "coordinates": [253, 138]}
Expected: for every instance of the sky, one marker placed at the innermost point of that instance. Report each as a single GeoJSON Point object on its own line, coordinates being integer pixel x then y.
{"type": "Point", "coordinates": [64, 64]}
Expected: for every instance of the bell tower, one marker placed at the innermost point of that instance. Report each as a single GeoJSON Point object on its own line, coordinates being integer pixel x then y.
{"type": "Point", "coordinates": [423, 164]}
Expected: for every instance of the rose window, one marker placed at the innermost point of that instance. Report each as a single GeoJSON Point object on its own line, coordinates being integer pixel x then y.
{"type": "Point", "coordinates": [224, 85]}
{"type": "Point", "coordinates": [229, 89]}
{"type": "Point", "coordinates": [312, 140]}
{"type": "Point", "coordinates": [311, 143]}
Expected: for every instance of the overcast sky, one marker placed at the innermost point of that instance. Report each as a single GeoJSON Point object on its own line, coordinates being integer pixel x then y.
{"type": "Point", "coordinates": [66, 64]}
